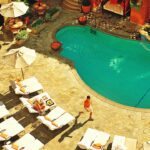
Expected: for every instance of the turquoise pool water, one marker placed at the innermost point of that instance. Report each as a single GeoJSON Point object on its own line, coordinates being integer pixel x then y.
{"type": "Point", "coordinates": [116, 68]}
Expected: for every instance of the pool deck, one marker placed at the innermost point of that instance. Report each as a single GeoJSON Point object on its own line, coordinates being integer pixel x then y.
{"type": "Point", "coordinates": [62, 82]}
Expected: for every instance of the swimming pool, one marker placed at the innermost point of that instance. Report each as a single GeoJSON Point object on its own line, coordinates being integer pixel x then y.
{"type": "Point", "coordinates": [116, 68]}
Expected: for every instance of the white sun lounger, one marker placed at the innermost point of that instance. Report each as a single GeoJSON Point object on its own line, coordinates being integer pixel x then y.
{"type": "Point", "coordinates": [101, 139]}
{"type": "Point", "coordinates": [56, 118]}
{"type": "Point", "coordinates": [62, 121]}
{"type": "Point", "coordinates": [36, 145]}
{"type": "Point", "coordinates": [27, 142]}
{"type": "Point", "coordinates": [3, 111]}
{"type": "Point", "coordinates": [30, 85]}
{"type": "Point", "coordinates": [91, 137]}
{"type": "Point", "coordinates": [52, 115]}
{"type": "Point", "coordinates": [10, 127]}
{"type": "Point", "coordinates": [118, 142]}
{"type": "Point", "coordinates": [27, 102]}
{"type": "Point", "coordinates": [146, 145]}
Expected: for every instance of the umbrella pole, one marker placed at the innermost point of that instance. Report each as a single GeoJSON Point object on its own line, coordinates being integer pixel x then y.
{"type": "Point", "coordinates": [22, 73]}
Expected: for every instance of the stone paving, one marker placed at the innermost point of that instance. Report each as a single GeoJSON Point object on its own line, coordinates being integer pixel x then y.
{"type": "Point", "coordinates": [63, 84]}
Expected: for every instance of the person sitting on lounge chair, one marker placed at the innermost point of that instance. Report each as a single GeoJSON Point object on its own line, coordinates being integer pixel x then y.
{"type": "Point", "coordinates": [38, 106]}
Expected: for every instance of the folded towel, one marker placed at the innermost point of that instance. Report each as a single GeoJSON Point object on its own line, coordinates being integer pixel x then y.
{"type": "Point", "coordinates": [4, 135]}
{"type": "Point", "coordinates": [55, 124]}
{"type": "Point", "coordinates": [22, 89]}
{"type": "Point", "coordinates": [15, 146]}
{"type": "Point", "coordinates": [47, 118]}
{"type": "Point", "coordinates": [97, 146]}
{"type": "Point", "coordinates": [19, 84]}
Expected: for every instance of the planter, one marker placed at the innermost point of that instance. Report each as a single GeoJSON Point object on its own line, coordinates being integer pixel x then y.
{"type": "Point", "coordinates": [40, 7]}
{"type": "Point", "coordinates": [20, 42]}
{"type": "Point", "coordinates": [82, 20]}
{"type": "Point", "coordinates": [56, 45]}
{"type": "Point", "coordinates": [86, 9]}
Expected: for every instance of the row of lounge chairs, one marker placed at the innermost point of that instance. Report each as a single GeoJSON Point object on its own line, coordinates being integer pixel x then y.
{"type": "Point", "coordinates": [10, 128]}
{"type": "Point", "coordinates": [55, 119]}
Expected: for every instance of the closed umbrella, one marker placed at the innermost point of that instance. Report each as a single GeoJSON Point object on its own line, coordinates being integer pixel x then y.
{"type": "Point", "coordinates": [20, 57]}
{"type": "Point", "coordinates": [13, 9]}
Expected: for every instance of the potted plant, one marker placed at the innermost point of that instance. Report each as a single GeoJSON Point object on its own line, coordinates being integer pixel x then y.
{"type": "Point", "coordinates": [40, 7]}
{"type": "Point", "coordinates": [56, 45]}
{"type": "Point", "coordinates": [21, 37]}
{"type": "Point", "coordinates": [82, 20]}
{"type": "Point", "coordinates": [86, 6]}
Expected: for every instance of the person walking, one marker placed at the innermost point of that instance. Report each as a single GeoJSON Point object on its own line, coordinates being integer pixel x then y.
{"type": "Point", "coordinates": [88, 107]}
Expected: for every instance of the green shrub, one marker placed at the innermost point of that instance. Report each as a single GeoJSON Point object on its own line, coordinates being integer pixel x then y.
{"type": "Point", "coordinates": [36, 23]}
{"type": "Point", "coordinates": [86, 2]}
{"type": "Point", "coordinates": [50, 13]}
{"type": "Point", "coordinates": [22, 35]}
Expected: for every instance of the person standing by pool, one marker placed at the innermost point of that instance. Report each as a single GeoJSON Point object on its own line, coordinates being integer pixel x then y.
{"type": "Point", "coordinates": [88, 107]}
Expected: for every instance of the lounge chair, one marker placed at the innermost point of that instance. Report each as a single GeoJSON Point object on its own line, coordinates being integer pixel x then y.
{"type": "Point", "coordinates": [56, 119]}
{"type": "Point", "coordinates": [26, 86]}
{"type": "Point", "coordinates": [118, 142]}
{"type": "Point", "coordinates": [146, 145]}
{"type": "Point", "coordinates": [123, 143]}
{"type": "Point", "coordinates": [94, 139]}
{"type": "Point", "coordinates": [9, 128]}
{"type": "Point", "coordinates": [26, 142]}
{"type": "Point", "coordinates": [44, 97]}
{"type": "Point", "coordinates": [3, 110]}
{"type": "Point", "coordinates": [52, 115]}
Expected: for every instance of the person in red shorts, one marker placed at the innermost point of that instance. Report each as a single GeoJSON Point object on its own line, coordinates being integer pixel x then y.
{"type": "Point", "coordinates": [38, 106]}
{"type": "Point", "coordinates": [88, 107]}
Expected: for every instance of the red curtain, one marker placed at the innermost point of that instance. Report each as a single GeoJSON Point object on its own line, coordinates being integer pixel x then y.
{"type": "Point", "coordinates": [143, 15]}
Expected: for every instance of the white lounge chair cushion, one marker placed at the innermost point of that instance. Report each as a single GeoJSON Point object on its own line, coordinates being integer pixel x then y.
{"type": "Point", "coordinates": [25, 140]}
{"type": "Point", "coordinates": [35, 145]}
{"type": "Point", "coordinates": [101, 138]}
{"type": "Point", "coordinates": [3, 111]}
{"type": "Point", "coordinates": [55, 113]}
{"type": "Point", "coordinates": [11, 126]}
{"type": "Point", "coordinates": [61, 121]}
{"type": "Point", "coordinates": [64, 119]}
{"type": "Point", "coordinates": [30, 85]}
{"type": "Point", "coordinates": [52, 115]}
{"type": "Point", "coordinates": [118, 142]}
{"type": "Point", "coordinates": [88, 138]}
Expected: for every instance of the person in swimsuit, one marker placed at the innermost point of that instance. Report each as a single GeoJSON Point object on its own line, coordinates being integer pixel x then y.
{"type": "Point", "coordinates": [88, 107]}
